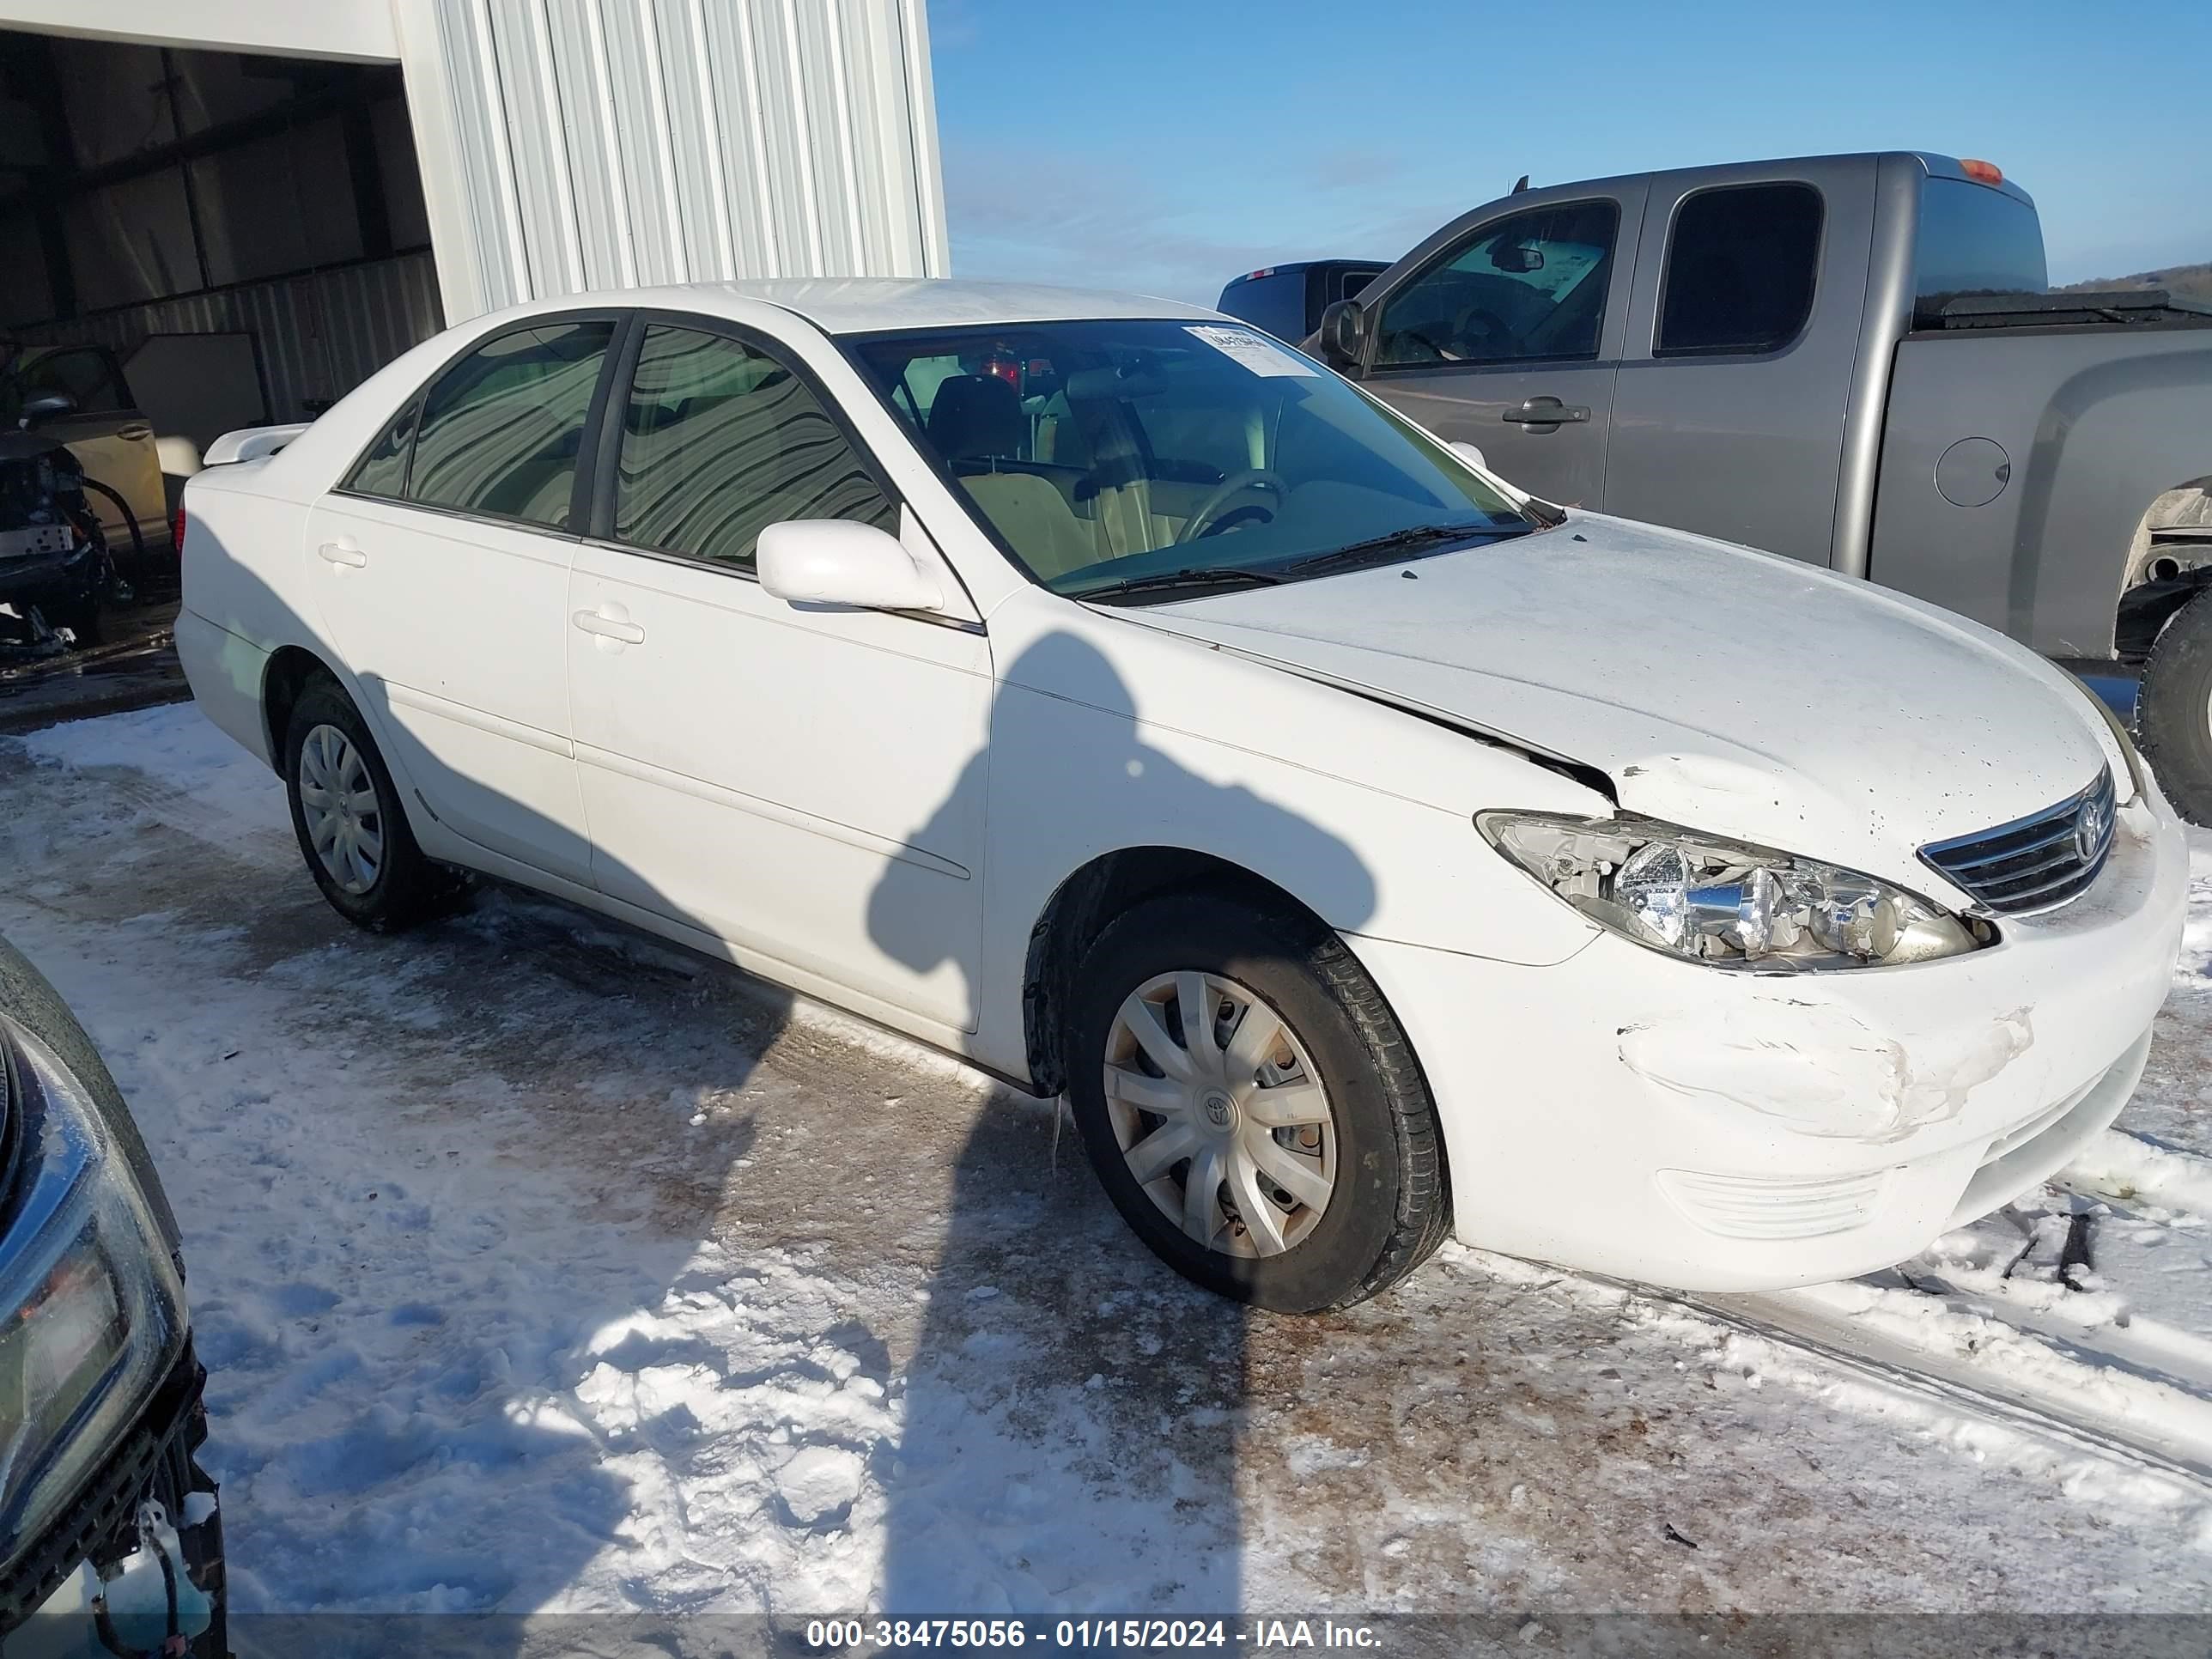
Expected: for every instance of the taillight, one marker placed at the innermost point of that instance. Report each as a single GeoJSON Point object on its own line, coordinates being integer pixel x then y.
{"type": "Point", "coordinates": [1982, 173]}
{"type": "Point", "coordinates": [177, 531]}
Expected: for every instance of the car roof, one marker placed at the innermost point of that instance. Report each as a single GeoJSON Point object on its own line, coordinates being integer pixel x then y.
{"type": "Point", "coordinates": [1292, 267]}
{"type": "Point", "coordinates": [862, 304]}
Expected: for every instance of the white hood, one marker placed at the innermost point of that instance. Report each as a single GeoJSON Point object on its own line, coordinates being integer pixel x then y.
{"type": "Point", "coordinates": [1733, 691]}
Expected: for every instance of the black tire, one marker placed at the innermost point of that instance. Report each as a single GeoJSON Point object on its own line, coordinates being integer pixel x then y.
{"type": "Point", "coordinates": [2176, 723]}
{"type": "Point", "coordinates": [1390, 1206]}
{"type": "Point", "coordinates": [407, 887]}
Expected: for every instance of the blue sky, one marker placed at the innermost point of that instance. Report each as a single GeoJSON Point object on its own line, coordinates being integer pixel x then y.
{"type": "Point", "coordinates": [1166, 146]}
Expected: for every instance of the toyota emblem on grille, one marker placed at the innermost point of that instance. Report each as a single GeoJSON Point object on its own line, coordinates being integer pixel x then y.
{"type": "Point", "coordinates": [2091, 828]}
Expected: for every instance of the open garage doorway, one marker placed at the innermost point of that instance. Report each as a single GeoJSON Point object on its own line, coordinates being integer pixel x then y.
{"type": "Point", "coordinates": [194, 240]}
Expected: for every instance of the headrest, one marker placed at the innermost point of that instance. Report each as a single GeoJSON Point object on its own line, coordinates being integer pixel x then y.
{"type": "Point", "coordinates": [976, 415]}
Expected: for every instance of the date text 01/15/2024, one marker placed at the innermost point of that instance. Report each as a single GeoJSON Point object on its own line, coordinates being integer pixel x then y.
{"type": "Point", "coordinates": [1084, 1635]}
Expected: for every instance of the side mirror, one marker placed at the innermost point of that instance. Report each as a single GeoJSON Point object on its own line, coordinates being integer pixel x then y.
{"type": "Point", "coordinates": [836, 561]}
{"type": "Point", "coordinates": [1471, 455]}
{"type": "Point", "coordinates": [46, 408]}
{"type": "Point", "coordinates": [1342, 335]}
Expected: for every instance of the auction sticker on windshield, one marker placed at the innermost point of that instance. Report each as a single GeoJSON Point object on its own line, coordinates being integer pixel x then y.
{"type": "Point", "coordinates": [1259, 354]}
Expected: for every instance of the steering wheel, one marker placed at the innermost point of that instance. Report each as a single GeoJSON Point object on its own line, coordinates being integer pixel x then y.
{"type": "Point", "coordinates": [1479, 329]}
{"type": "Point", "coordinates": [1252, 478]}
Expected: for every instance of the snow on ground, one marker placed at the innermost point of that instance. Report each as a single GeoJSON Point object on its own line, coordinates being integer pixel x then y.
{"type": "Point", "coordinates": [539, 1266]}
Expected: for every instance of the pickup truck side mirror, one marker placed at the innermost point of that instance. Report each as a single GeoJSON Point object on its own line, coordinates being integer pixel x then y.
{"type": "Point", "coordinates": [46, 407]}
{"type": "Point", "coordinates": [836, 561]}
{"type": "Point", "coordinates": [1342, 335]}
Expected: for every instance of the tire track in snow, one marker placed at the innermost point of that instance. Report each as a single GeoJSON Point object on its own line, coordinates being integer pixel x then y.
{"type": "Point", "coordinates": [1993, 1367]}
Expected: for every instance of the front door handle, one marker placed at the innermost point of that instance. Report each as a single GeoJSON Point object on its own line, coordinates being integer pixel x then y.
{"type": "Point", "coordinates": [609, 628]}
{"type": "Point", "coordinates": [342, 551]}
{"type": "Point", "coordinates": [1547, 411]}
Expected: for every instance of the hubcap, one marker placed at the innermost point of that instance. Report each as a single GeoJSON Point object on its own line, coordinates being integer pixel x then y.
{"type": "Point", "coordinates": [1220, 1113]}
{"type": "Point", "coordinates": [337, 799]}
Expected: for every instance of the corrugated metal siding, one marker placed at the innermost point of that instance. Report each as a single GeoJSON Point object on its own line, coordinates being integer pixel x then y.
{"type": "Point", "coordinates": [319, 335]}
{"type": "Point", "coordinates": [609, 143]}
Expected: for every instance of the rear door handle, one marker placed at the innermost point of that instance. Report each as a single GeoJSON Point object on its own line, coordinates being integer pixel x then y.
{"type": "Point", "coordinates": [342, 551]}
{"type": "Point", "coordinates": [1548, 411]}
{"type": "Point", "coordinates": [609, 628]}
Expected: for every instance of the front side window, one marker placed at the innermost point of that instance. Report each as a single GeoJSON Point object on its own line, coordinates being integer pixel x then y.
{"type": "Point", "coordinates": [500, 430]}
{"type": "Point", "coordinates": [720, 441]}
{"type": "Point", "coordinates": [86, 375]}
{"type": "Point", "coordinates": [1119, 457]}
{"type": "Point", "coordinates": [1532, 287]}
{"type": "Point", "coordinates": [1740, 268]}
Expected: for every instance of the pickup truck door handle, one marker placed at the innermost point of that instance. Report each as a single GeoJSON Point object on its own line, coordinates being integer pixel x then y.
{"type": "Point", "coordinates": [1547, 411]}
{"type": "Point", "coordinates": [342, 551]}
{"type": "Point", "coordinates": [609, 628]}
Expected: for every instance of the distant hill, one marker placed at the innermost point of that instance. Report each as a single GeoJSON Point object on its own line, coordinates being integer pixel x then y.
{"type": "Point", "coordinates": [2183, 282]}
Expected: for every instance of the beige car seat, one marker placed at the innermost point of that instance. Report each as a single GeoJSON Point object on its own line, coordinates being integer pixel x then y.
{"type": "Point", "coordinates": [978, 417]}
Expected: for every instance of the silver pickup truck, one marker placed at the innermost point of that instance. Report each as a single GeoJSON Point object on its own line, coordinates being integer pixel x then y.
{"type": "Point", "coordinates": [1849, 359]}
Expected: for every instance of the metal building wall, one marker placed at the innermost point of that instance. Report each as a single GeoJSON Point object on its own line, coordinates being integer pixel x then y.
{"type": "Point", "coordinates": [318, 336]}
{"type": "Point", "coordinates": [578, 144]}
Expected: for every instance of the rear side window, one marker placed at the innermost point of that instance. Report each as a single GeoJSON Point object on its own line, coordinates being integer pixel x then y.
{"type": "Point", "coordinates": [720, 441]}
{"type": "Point", "coordinates": [502, 429]}
{"type": "Point", "coordinates": [1974, 239]}
{"type": "Point", "coordinates": [383, 470]}
{"type": "Point", "coordinates": [1526, 288]}
{"type": "Point", "coordinates": [1741, 266]}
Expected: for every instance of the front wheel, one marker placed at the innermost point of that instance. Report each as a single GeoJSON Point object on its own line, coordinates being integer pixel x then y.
{"type": "Point", "coordinates": [1251, 1106]}
{"type": "Point", "coordinates": [2176, 723]}
{"type": "Point", "coordinates": [352, 830]}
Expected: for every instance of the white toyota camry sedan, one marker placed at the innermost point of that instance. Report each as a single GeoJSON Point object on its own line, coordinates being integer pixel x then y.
{"type": "Point", "coordinates": [1098, 690]}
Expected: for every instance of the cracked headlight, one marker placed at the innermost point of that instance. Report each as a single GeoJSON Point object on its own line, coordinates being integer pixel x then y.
{"type": "Point", "coordinates": [1723, 904]}
{"type": "Point", "coordinates": [91, 1309]}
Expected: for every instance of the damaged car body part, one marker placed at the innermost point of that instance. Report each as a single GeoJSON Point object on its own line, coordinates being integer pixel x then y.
{"type": "Point", "coordinates": [1037, 673]}
{"type": "Point", "coordinates": [109, 1538]}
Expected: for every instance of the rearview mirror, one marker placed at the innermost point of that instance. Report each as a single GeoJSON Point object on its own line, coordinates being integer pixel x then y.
{"type": "Point", "coordinates": [1471, 455]}
{"type": "Point", "coordinates": [1342, 335]}
{"type": "Point", "coordinates": [836, 561]}
{"type": "Point", "coordinates": [46, 407]}
{"type": "Point", "coordinates": [1520, 260]}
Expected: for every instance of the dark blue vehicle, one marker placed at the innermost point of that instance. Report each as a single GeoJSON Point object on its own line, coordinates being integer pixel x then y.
{"type": "Point", "coordinates": [1287, 300]}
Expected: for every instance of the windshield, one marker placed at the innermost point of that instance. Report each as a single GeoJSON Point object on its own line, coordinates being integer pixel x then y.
{"type": "Point", "coordinates": [1127, 456]}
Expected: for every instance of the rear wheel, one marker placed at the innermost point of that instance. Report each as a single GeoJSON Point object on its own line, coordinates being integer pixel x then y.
{"type": "Point", "coordinates": [2176, 724]}
{"type": "Point", "coordinates": [352, 830]}
{"type": "Point", "coordinates": [1251, 1106]}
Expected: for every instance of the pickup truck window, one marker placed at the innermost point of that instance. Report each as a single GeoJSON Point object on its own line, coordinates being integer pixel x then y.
{"type": "Point", "coordinates": [1974, 239]}
{"type": "Point", "coordinates": [1741, 264]}
{"type": "Point", "coordinates": [1531, 287]}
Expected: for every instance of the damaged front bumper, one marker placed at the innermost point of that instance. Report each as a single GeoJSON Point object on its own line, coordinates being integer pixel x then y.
{"type": "Point", "coordinates": [137, 1556]}
{"type": "Point", "coordinates": [1628, 1113]}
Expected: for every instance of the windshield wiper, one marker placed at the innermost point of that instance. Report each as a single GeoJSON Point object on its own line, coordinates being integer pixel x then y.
{"type": "Point", "coordinates": [1194, 576]}
{"type": "Point", "coordinates": [1378, 549]}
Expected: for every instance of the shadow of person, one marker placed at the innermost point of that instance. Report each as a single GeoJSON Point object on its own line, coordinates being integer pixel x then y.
{"type": "Point", "coordinates": [1072, 1407]}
